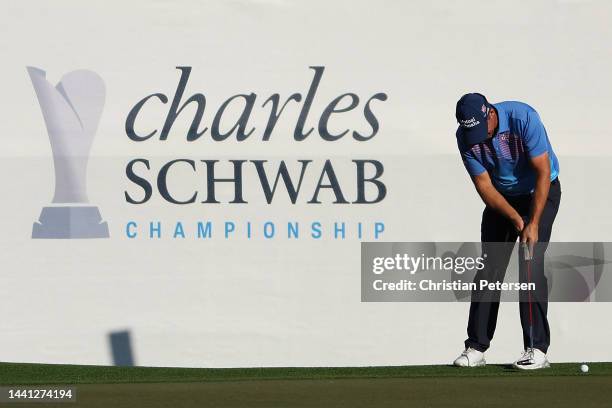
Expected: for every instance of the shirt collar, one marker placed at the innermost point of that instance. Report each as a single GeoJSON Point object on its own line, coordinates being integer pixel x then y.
{"type": "Point", "coordinates": [502, 117]}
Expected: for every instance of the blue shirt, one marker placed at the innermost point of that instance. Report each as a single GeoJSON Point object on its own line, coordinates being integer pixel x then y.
{"type": "Point", "coordinates": [520, 136]}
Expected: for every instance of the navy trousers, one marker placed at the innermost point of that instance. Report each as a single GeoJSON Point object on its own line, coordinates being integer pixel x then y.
{"type": "Point", "coordinates": [484, 307]}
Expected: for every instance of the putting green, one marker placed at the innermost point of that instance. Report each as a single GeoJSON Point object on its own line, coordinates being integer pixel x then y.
{"type": "Point", "coordinates": [420, 386]}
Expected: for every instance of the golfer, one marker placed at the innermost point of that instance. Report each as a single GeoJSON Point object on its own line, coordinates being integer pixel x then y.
{"type": "Point", "coordinates": [506, 151]}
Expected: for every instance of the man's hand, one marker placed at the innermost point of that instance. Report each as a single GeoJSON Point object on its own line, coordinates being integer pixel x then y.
{"type": "Point", "coordinates": [530, 235]}
{"type": "Point", "coordinates": [518, 223]}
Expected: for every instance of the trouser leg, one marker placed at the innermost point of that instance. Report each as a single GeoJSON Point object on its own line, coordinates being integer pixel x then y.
{"type": "Point", "coordinates": [498, 236]}
{"type": "Point", "coordinates": [535, 320]}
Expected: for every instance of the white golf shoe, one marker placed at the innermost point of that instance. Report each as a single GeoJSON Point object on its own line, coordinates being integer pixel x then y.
{"type": "Point", "coordinates": [531, 359]}
{"type": "Point", "coordinates": [470, 358]}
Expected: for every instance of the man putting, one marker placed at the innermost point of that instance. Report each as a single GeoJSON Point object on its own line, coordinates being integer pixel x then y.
{"type": "Point", "coordinates": [506, 151]}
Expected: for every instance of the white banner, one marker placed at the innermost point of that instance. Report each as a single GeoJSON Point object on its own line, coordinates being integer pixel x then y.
{"type": "Point", "coordinates": [187, 183]}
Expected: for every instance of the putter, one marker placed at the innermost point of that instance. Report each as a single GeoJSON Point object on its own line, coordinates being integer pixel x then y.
{"type": "Point", "coordinates": [527, 256]}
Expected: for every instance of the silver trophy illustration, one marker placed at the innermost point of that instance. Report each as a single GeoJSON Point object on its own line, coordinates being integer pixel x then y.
{"type": "Point", "coordinates": [72, 111]}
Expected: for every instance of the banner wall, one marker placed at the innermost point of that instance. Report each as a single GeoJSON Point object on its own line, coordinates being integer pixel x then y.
{"type": "Point", "coordinates": [233, 287]}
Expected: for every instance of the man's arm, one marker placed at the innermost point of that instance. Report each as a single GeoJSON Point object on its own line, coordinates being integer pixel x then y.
{"type": "Point", "coordinates": [494, 200]}
{"type": "Point", "coordinates": [541, 165]}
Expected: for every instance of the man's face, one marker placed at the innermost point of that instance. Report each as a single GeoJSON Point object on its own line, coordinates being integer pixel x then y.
{"type": "Point", "coordinates": [491, 122]}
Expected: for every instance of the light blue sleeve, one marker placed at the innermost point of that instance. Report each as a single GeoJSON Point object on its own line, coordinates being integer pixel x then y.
{"type": "Point", "coordinates": [534, 135]}
{"type": "Point", "coordinates": [473, 166]}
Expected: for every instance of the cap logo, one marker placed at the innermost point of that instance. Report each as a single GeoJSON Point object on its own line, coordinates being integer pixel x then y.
{"type": "Point", "coordinates": [469, 123]}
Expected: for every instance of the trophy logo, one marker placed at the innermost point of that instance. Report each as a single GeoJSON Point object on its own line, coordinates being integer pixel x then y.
{"type": "Point", "coordinates": [72, 111]}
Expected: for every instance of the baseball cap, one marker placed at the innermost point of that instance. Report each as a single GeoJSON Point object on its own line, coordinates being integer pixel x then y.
{"type": "Point", "coordinates": [471, 114]}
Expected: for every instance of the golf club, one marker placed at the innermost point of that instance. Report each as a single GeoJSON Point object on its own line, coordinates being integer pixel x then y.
{"type": "Point", "coordinates": [527, 256]}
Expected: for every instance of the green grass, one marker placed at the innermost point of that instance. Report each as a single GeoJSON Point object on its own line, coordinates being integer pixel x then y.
{"type": "Point", "coordinates": [17, 373]}
{"type": "Point", "coordinates": [561, 386]}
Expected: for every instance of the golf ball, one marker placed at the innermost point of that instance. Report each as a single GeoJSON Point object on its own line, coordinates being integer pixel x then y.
{"type": "Point", "coordinates": [584, 368]}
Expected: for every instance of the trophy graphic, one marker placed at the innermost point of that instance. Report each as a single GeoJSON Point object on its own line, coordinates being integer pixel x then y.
{"type": "Point", "coordinates": [71, 110]}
